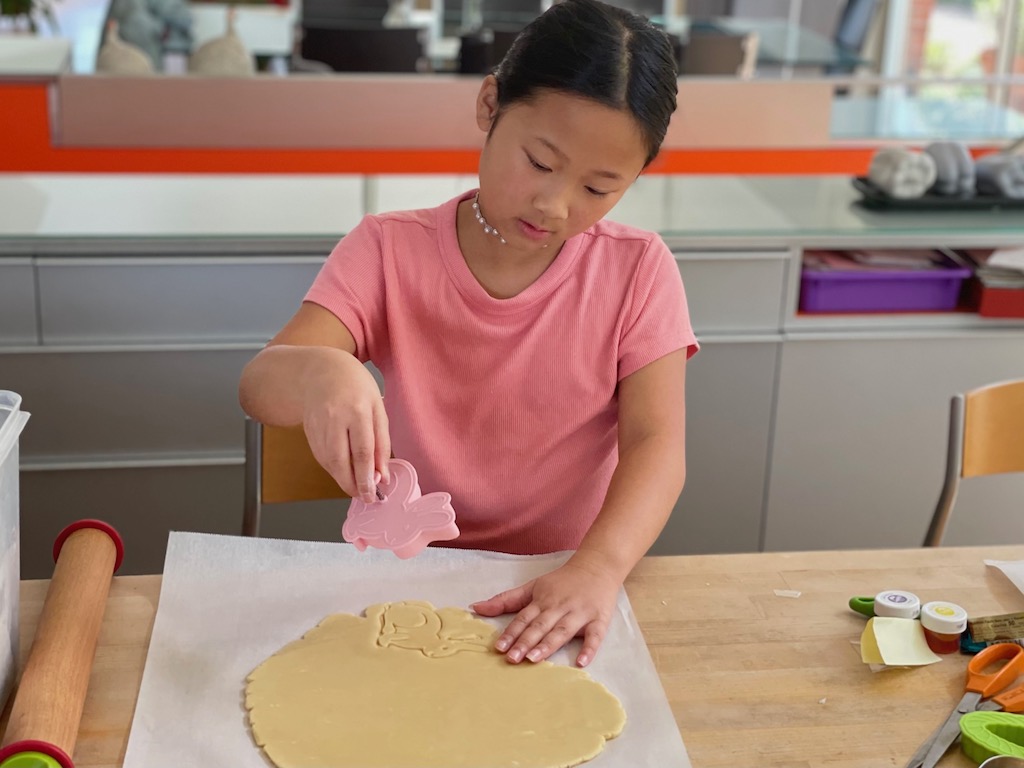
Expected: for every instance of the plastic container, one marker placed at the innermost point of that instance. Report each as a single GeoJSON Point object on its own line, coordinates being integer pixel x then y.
{"type": "Point", "coordinates": [882, 290]}
{"type": "Point", "coordinates": [943, 624]}
{"type": "Point", "coordinates": [897, 604]}
{"type": "Point", "coordinates": [996, 302]}
{"type": "Point", "coordinates": [12, 421]}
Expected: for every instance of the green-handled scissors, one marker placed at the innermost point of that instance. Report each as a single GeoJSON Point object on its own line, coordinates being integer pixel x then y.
{"type": "Point", "coordinates": [979, 685]}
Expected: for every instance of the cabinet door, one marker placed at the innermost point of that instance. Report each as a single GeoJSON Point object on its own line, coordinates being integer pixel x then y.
{"type": "Point", "coordinates": [128, 403]}
{"type": "Point", "coordinates": [17, 302]}
{"type": "Point", "coordinates": [131, 300]}
{"type": "Point", "coordinates": [146, 504]}
{"type": "Point", "coordinates": [729, 396]}
{"type": "Point", "coordinates": [734, 292]}
{"type": "Point", "coordinates": [860, 441]}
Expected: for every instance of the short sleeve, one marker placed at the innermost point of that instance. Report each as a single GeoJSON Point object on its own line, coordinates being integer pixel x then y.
{"type": "Point", "coordinates": [351, 286]}
{"type": "Point", "coordinates": [657, 320]}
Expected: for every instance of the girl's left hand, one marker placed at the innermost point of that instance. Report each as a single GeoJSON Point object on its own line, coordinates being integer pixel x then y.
{"type": "Point", "coordinates": [575, 599]}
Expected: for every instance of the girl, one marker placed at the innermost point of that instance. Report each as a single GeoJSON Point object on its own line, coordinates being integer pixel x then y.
{"type": "Point", "coordinates": [533, 355]}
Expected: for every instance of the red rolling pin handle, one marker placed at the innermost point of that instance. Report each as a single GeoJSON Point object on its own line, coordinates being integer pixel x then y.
{"type": "Point", "coordinates": [47, 708]}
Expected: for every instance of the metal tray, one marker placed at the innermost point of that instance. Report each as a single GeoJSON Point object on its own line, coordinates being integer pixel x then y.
{"type": "Point", "coordinates": [878, 199]}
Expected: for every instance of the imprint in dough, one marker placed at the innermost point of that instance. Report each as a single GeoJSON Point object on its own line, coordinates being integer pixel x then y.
{"type": "Point", "coordinates": [411, 686]}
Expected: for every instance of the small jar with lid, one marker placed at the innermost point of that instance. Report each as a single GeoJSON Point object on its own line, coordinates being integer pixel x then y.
{"type": "Point", "coordinates": [943, 624]}
{"type": "Point", "coordinates": [897, 604]}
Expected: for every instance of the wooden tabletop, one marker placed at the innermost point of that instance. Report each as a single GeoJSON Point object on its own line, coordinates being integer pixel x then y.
{"type": "Point", "coordinates": [753, 678]}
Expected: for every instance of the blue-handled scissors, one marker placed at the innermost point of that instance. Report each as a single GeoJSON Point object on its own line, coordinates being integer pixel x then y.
{"type": "Point", "coordinates": [979, 685]}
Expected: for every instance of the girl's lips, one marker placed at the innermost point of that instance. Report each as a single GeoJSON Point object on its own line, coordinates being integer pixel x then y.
{"type": "Point", "coordinates": [532, 232]}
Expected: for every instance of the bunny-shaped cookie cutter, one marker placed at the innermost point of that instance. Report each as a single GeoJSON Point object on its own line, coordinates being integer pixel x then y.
{"type": "Point", "coordinates": [403, 521]}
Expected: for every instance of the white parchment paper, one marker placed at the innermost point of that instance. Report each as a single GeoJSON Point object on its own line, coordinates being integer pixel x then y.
{"type": "Point", "coordinates": [1014, 570]}
{"type": "Point", "coordinates": [227, 603]}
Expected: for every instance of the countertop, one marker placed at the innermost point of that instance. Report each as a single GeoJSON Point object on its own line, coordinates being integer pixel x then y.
{"type": "Point", "coordinates": [62, 212]}
{"type": "Point", "coordinates": [752, 677]}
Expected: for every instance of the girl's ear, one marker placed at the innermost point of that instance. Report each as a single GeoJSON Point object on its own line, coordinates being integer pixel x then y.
{"type": "Point", "coordinates": [487, 103]}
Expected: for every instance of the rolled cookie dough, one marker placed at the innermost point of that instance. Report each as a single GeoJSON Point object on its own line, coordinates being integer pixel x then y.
{"type": "Point", "coordinates": [410, 686]}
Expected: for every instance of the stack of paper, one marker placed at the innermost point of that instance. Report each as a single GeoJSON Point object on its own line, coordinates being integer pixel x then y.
{"type": "Point", "coordinates": [891, 642]}
{"type": "Point", "coordinates": [903, 260]}
{"type": "Point", "coordinates": [1002, 268]}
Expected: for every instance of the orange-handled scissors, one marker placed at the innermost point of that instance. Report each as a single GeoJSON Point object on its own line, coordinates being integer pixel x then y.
{"type": "Point", "coordinates": [980, 685]}
{"type": "Point", "coordinates": [1007, 701]}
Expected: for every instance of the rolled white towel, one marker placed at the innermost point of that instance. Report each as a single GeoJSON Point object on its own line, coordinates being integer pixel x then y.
{"type": "Point", "coordinates": [1001, 175]}
{"type": "Point", "coordinates": [902, 173]}
{"type": "Point", "coordinates": [954, 168]}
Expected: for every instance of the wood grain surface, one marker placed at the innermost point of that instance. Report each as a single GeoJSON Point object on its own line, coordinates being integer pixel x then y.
{"type": "Point", "coordinates": [754, 679]}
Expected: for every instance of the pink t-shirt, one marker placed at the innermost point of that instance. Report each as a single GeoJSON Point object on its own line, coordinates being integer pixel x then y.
{"type": "Point", "coordinates": [508, 404]}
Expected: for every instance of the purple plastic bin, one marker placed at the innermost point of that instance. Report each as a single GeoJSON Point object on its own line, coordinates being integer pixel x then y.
{"type": "Point", "coordinates": [888, 290]}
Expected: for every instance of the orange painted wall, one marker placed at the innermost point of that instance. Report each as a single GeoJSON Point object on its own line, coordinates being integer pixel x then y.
{"type": "Point", "coordinates": [25, 147]}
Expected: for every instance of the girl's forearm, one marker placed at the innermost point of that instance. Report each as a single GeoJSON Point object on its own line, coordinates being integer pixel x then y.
{"type": "Point", "coordinates": [642, 492]}
{"type": "Point", "coordinates": [274, 384]}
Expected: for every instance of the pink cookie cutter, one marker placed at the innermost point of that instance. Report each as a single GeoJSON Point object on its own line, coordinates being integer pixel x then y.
{"type": "Point", "coordinates": [403, 521]}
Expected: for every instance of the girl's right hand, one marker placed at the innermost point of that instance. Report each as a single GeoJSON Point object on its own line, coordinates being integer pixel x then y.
{"type": "Point", "coordinates": [346, 425]}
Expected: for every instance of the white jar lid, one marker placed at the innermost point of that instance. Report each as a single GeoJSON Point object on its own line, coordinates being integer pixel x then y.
{"type": "Point", "coordinates": [897, 604]}
{"type": "Point", "coordinates": [943, 618]}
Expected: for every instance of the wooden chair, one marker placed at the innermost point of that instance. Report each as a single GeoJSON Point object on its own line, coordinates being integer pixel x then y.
{"type": "Point", "coordinates": [986, 437]}
{"type": "Point", "coordinates": [280, 467]}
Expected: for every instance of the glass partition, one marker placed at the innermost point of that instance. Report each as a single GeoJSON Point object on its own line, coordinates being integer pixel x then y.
{"type": "Point", "coordinates": [901, 69]}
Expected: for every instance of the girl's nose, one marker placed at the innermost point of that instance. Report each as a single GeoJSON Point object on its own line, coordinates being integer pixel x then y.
{"type": "Point", "coordinates": [552, 203]}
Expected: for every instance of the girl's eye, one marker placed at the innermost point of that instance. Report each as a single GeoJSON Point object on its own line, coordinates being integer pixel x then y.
{"type": "Point", "coordinates": [596, 193]}
{"type": "Point", "coordinates": [537, 165]}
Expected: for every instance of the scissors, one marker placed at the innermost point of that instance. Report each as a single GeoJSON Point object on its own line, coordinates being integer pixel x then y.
{"type": "Point", "coordinates": [979, 685]}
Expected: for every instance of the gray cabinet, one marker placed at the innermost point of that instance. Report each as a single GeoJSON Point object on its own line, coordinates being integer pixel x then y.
{"type": "Point", "coordinates": [145, 503]}
{"type": "Point", "coordinates": [170, 299]}
{"type": "Point", "coordinates": [132, 379]}
{"type": "Point", "coordinates": [804, 432]}
{"type": "Point", "coordinates": [733, 292]}
{"type": "Point", "coordinates": [729, 401]}
{"type": "Point", "coordinates": [17, 302]}
{"type": "Point", "coordinates": [736, 301]}
{"type": "Point", "coordinates": [859, 446]}
{"type": "Point", "coordinates": [120, 404]}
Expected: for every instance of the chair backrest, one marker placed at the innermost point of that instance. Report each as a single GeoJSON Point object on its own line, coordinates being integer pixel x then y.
{"type": "Point", "coordinates": [986, 437]}
{"type": "Point", "coordinates": [364, 49]}
{"type": "Point", "coordinates": [280, 467]}
{"type": "Point", "coordinates": [994, 430]}
{"type": "Point", "coordinates": [481, 51]}
{"type": "Point", "coordinates": [718, 53]}
{"type": "Point", "coordinates": [343, 13]}
{"type": "Point", "coordinates": [854, 22]}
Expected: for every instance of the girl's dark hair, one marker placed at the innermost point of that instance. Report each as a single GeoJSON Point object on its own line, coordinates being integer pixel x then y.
{"type": "Point", "coordinates": [591, 49]}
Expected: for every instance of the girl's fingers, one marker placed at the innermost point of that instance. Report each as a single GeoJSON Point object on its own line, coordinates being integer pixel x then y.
{"type": "Point", "coordinates": [381, 441]}
{"type": "Point", "coordinates": [515, 628]}
{"type": "Point", "coordinates": [362, 450]}
{"type": "Point", "coordinates": [509, 601]}
{"type": "Point", "coordinates": [334, 457]}
{"type": "Point", "coordinates": [565, 629]}
{"type": "Point", "coordinates": [593, 635]}
{"type": "Point", "coordinates": [532, 634]}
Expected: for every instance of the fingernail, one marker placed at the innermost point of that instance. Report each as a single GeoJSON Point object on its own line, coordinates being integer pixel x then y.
{"type": "Point", "coordinates": [502, 644]}
{"type": "Point", "coordinates": [534, 655]}
{"type": "Point", "coordinates": [515, 655]}
{"type": "Point", "coordinates": [583, 660]}
{"type": "Point", "coordinates": [376, 477]}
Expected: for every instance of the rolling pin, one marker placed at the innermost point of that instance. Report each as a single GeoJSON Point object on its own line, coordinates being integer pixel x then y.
{"type": "Point", "coordinates": [47, 709]}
